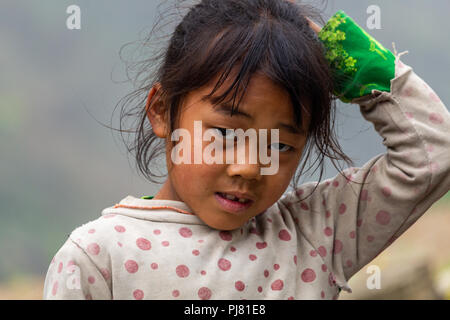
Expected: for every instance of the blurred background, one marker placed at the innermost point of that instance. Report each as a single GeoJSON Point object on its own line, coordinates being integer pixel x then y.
{"type": "Point", "coordinates": [59, 167]}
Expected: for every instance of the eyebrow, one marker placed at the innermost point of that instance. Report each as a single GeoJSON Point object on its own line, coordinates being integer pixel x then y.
{"type": "Point", "coordinates": [225, 109]}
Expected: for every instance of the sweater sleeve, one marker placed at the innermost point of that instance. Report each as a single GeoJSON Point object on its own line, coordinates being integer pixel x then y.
{"type": "Point", "coordinates": [72, 275]}
{"type": "Point", "coordinates": [357, 215]}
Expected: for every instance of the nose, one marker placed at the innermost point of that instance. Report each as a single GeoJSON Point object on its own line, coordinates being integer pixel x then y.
{"type": "Point", "coordinates": [248, 169]}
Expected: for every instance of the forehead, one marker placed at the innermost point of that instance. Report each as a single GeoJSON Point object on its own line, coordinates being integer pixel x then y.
{"type": "Point", "coordinates": [263, 99]}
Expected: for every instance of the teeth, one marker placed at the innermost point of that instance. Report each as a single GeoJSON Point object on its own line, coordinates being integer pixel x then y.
{"type": "Point", "coordinates": [231, 197]}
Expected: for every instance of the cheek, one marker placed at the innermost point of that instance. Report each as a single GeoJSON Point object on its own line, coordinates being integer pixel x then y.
{"type": "Point", "coordinates": [195, 178]}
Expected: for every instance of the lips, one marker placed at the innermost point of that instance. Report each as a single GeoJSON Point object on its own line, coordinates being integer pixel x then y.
{"type": "Point", "coordinates": [232, 203]}
{"type": "Point", "coordinates": [234, 198]}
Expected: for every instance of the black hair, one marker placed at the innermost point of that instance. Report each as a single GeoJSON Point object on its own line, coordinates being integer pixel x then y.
{"type": "Point", "coordinates": [271, 37]}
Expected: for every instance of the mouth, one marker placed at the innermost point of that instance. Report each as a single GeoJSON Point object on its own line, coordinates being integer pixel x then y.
{"type": "Point", "coordinates": [232, 203]}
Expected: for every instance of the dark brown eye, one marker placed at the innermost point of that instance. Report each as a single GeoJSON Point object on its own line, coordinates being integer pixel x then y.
{"type": "Point", "coordinates": [282, 147]}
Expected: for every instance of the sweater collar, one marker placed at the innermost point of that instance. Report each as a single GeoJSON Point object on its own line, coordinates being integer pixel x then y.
{"type": "Point", "coordinates": [146, 208]}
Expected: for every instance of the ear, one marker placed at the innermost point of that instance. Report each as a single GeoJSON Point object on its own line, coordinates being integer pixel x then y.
{"type": "Point", "coordinates": [155, 111]}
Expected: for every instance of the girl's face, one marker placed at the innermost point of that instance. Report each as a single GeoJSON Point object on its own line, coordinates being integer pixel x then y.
{"type": "Point", "coordinates": [264, 106]}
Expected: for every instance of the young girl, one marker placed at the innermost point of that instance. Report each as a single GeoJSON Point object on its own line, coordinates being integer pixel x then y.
{"type": "Point", "coordinates": [226, 231]}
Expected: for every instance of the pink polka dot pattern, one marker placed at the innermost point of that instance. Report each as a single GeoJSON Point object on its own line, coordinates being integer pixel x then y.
{"type": "Point", "coordinates": [239, 285]}
{"type": "Point", "coordinates": [434, 97]}
{"type": "Point", "coordinates": [91, 279]}
{"type": "Point", "coordinates": [105, 273]}
{"type": "Point", "coordinates": [175, 293]}
{"type": "Point", "coordinates": [308, 275]}
{"type": "Point", "coordinates": [276, 266]}
{"type": "Point", "coordinates": [120, 229]}
{"type": "Point", "coordinates": [342, 208]}
{"type": "Point", "coordinates": [322, 251]}
{"type": "Point", "coordinates": [55, 288]}
{"type": "Point", "coordinates": [156, 232]}
{"type": "Point", "coordinates": [304, 206]}
{"type": "Point", "coordinates": [436, 118]}
{"type": "Point", "coordinates": [204, 293]}
{"type": "Point", "coordinates": [383, 217]}
{"type": "Point", "coordinates": [277, 285]}
{"type": "Point", "coordinates": [185, 232]}
{"type": "Point", "coordinates": [195, 252]}
{"type": "Point", "coordinates": [93, 248]}
{"type": "Point", "coordinates": [284, 235]}
{"type": "Point", "coordinates": [182, 271]}
{"type": "Point", "coordinates": [143, 244]}
{"type": "Point", "coordinates": [365, 195]}
{"type": "Point", "coordinates": [138, 294]}
{"type": "Point", "coordinates": [337, 246]}
{"type": "Point", "coordinates": [60, 267]}
{"type": "Point", "coordinates": [252, 257]}
{"type": "Point", "coordinates": [328, 231]}
{"type": "Point", "coordinates": [224, 264]}
{"type": "Point", "coordinates": [154, 266]}
{"type": "Point", "coordinates": [331, 279]}
{"type": "Point", "coordinates": [409, 115]}
{"type": "Point", "coordinates": [261, 245]}
{"type": "Point", "coordinates": [225, 235]}
{"type": "Point", "coordinates": [386, 191]}
{"type": "Point", "coordinates": [165, 243]}
{"type": "Point", "coordinates": [131, 266]}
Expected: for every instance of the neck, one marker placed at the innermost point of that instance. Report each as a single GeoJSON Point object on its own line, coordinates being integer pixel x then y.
{"type": "Point", "coordinates": [167, 192]}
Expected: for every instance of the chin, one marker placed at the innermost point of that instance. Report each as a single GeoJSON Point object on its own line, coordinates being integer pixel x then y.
{"type": "Point", "coordinates": [225, 224]}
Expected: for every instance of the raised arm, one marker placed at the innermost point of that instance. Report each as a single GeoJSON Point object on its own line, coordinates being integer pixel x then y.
{"type": "Point", "coordinates": [355, 222]}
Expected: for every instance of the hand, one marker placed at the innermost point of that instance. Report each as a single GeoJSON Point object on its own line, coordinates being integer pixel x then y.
{"type": "Point", "coordinates": [312, 24]}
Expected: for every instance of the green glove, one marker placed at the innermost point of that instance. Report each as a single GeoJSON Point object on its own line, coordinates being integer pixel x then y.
{"type": "Point", "coordinates": [359, 62]}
